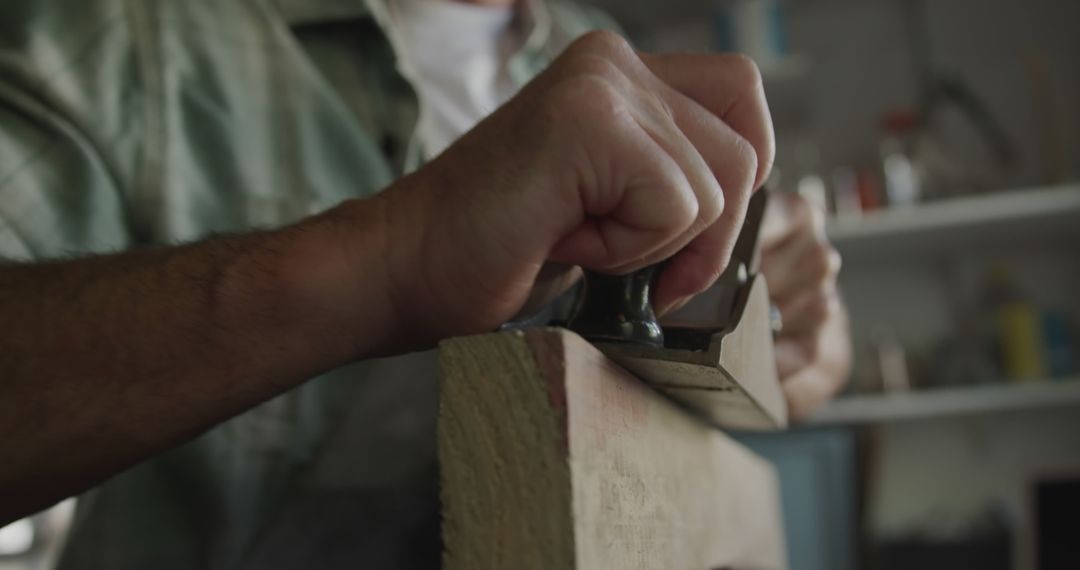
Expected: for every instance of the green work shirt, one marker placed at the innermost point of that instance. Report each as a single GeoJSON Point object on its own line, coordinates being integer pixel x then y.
{"type": "Point", "coordinates": [126, 123]}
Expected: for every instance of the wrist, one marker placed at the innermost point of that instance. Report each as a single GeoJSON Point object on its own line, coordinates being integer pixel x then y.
{"type": "Point", "coordinates": [336, 282]}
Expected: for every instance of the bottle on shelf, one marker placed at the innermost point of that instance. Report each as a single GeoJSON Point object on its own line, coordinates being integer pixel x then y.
{"type": "Point", "coordinates": [1017, 328]}
{"type": "Point", "coordinates": [903, 181]}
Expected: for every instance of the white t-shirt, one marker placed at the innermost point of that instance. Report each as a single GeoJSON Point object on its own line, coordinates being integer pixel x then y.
{"type": "Point", "coordinates": [455, 54]}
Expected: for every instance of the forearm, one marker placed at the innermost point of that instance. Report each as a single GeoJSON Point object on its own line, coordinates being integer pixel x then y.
{"type": "Point", "coordinates": [104, 361]}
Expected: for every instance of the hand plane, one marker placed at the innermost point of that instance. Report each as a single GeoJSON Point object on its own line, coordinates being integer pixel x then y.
{"type": "Point", "coordinates": [720, 363]}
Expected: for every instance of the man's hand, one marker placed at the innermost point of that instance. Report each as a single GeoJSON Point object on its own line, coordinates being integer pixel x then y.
{"type": "Point", "coordinates": [813, 350]}
{"type": "Point", "coordinates": [610, 160]}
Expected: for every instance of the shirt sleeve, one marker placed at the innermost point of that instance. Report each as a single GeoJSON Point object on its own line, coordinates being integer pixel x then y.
{"type": "Point", "coordinates": [59, 193]}
{"type": "Point", "coordinates": [56, 194]}
{"type": "Point", "coordinates": [12, 246]}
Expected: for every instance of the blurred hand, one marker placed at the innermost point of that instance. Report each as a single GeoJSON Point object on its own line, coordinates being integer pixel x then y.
{"type": "Point", "coordinates": [813, 349]}
{"type": "Point", "coordinates": [610, 160]}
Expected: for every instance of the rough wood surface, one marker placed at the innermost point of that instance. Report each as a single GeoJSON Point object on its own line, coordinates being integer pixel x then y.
{"type": "Point", "coordinates": [551, 456]}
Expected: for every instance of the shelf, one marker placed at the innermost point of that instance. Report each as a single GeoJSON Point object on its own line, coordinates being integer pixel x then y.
{"type": "Point", "coordinates": [988, 219]}
{"type": "Point", "coordinates": [943, 402]}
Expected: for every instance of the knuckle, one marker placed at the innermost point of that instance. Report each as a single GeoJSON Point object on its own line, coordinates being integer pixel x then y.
{"type": "Point", "coordinates": [660, 105]}
{"type": "Point", "coordinates": [589, 93]}
{"type": "Point", "coordinates": [593, 64]}
{"type": "Point", "coordinates": [603, 42]}
{"type": "Point", "coordinates": [678, 214]}
{"type": "Point", "coordinates": [745, 71]}
{"type": "Point", "coordinates": [687, 209]}
{"type": "Point", "coordinates": [711, 202]}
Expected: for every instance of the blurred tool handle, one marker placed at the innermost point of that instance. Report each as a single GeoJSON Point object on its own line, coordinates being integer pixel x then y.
{"type": "Point", "coordinates": [618, 308]}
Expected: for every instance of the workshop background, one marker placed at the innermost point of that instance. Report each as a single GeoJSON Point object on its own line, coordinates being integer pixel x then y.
{"type": "Point", "coordinates": [943, 138]}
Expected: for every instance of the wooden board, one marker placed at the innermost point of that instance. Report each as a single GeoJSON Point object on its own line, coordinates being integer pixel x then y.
{"type": "Point", "coordinates": [553, 457]}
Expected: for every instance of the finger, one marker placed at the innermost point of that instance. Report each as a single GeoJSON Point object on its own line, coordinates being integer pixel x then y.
{"type": "Point", "coordinates": [733, 163]}
{"type": "Point", "coordinates": [696, 138]}
{"type": "Point", "coordinates": [732, 159]}
{"type": "Point", "coordinates": [671, 307]}
{"type": "Point", "coordinates": [790, 356]}
{"type": "Point", "coordinates": [806, 264]}
{"type": "Point", "coordinates": [807, 313]}
{"type": "Point", "coordinates": [806, 387]}
{"type": "Point", "coordinates": [695, 153]}
{"type": "Point", "coordinates": [728, 86]}
{"type": "Point", "coordinates": [716, 160]}
{"type": "Point", "coordinates": [784, 267]}
{"type": "Point", "coordinates": [696, 267]}
{"type": "Point", "coordinates": [700, 136]}
{"type": "Point", "coordinates": [787, 215]}
{"type": "Point", "coordinates": [637, 204]}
